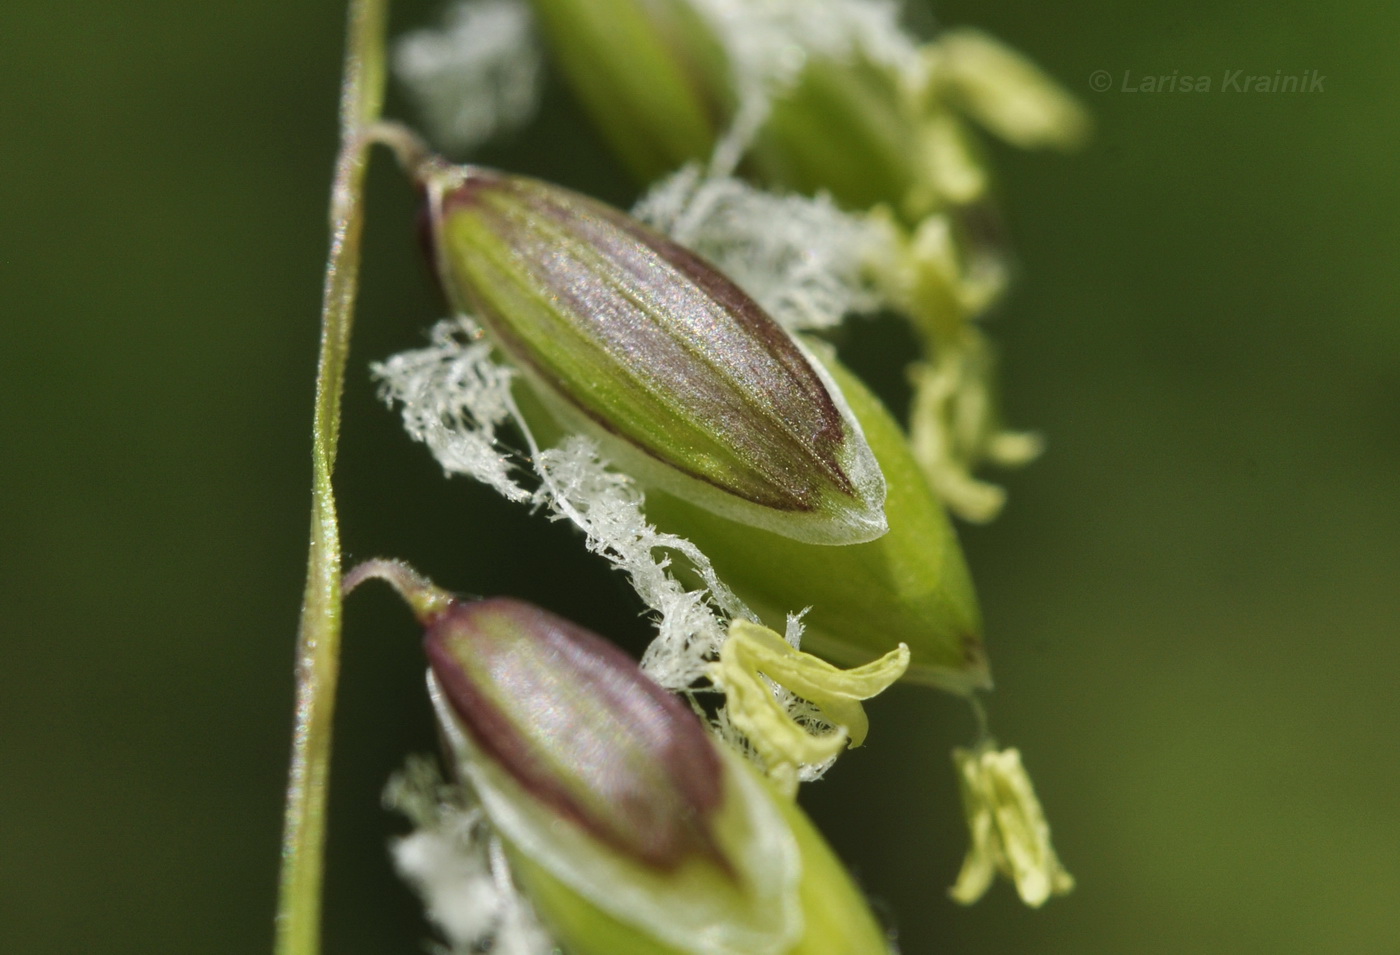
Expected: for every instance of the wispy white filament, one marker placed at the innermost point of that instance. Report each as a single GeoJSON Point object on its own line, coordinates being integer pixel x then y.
{"type": "Point", "coordinates": [770, 41]}
{"type": "Point", "coordinates": [454, 398]}
{"type": "Point", "coordinates": [456, 864]}
{"type": "Point", "coordinates": [800, 257]}
{"type": "Point", "coordinates": [576, 484]}
{"type": "Point", "coordinates": [477, 75]}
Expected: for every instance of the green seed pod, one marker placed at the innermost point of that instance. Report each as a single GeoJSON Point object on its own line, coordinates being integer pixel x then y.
{"type": "Point", "coordinates": [651, 73]}
{"type": "Point", "coordinates": [660, 85]}
{"type": "Point", "coordinates": [630, 829]}
{"type": "Point", "coordinates": [630, 338]}
{"type": "Point", "coordinates": [870, 121]}
{"type": "Point", "coordinates": [836, 99]}
{"type": "Point", "coordinates": [910, 586]}
{"type": "Point", "coordinates": [836, 918]}
{"type": "Point", "coordinates": [847, 129]}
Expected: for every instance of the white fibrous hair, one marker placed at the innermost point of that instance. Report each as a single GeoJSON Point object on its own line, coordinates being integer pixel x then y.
{"type": "Point", "coordinates": [477, 75]}
{"type": "Point", "coordinates": [762, 35]}
{"type": "Point", "coordinates": [577, 485]}
{"type": "Point", "coordinates": [458, 867]}
{"type": "Point", "coordinates": [806, 262]}
{"type": "Point", "coordinates": [454, 398]}
{"type": "Point", "coordinates": [770, 41]}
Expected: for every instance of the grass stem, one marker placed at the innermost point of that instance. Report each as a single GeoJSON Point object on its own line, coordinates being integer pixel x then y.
{"type": "Point", "coordinates": [318, 643]}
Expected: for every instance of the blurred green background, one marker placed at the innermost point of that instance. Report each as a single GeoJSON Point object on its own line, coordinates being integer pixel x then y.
{"type": "Point", "coordinates": [1192, 601]}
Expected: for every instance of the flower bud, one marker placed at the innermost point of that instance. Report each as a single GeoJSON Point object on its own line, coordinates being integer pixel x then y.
{"type": "Point", "coordinates": [837, 99]}
{"type": "Point", "coordinates": [629, 828]}
{"type": "Point", "coordinates": [910, 586]}
{"type": "Point", "coordinates": [844, 127]}
{"type": "Point", "coordinates": [855, 107]}
{"type": "Point", "coordinates": [652, 74]}
{"type": "Point", "coordinates": [664, 80]}
{"type": "Point", "coordinates": [627, 336]}
{"type": "Point", "coordinates": [836, 918]}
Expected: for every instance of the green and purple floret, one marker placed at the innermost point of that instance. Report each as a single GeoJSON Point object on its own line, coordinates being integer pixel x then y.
{"type": "Point", "coordinates": [685, 381]}
{"type": "Point", "coordinates": [627, 825]}
{"type": "Point", "coordinates": [577, 726]}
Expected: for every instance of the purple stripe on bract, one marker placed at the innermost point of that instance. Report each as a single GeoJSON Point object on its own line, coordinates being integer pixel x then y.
{"type": "Point", "coordinates": [715, 352]}
{"type": "Point", "coordinates": [577, 724]}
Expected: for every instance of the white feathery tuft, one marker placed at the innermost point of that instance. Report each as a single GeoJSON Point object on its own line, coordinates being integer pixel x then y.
{"type": "Point", "coordinates": [770, 41]}
{"type": "Point", "coordinates": [454, 398]}
{"type": "Point", "coordinates": [577, 485]}
{"type": "Point", "coordinates": [475, 76]}
{"type": "Point", "coordinates": [457, 866]}
{"type": "Point", "coordinates": [805, 261]}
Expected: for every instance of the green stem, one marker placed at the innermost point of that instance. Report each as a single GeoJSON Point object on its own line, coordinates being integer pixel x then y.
{"type": "Point", "coordinates": [304, 837]}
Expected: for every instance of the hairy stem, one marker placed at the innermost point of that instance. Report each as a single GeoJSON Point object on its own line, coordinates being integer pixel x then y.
{"type": "Point", "coordinates": [304, 836]}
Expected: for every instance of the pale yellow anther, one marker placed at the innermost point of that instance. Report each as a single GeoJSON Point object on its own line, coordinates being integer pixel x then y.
{"type": "Point", "coordinates": [931, 278]}
{"type": "Point", "coordinates": [1008, 829]}
{"type": "Point", "coordinates": [954, 170]}
{"type": "Point", "coordinates": [937, 263]}
{"type": "Point", "coordinates": [752, 653]}
{"type": "Point", "coordinates": [954, 426]}
{"type": "Point", "coordinates": [1004, 91]}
